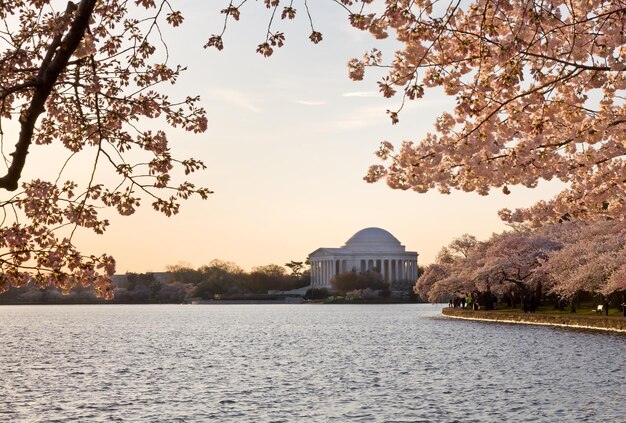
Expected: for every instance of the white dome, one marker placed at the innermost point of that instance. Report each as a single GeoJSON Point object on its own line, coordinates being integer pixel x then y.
{"type": "Point", "coordinates": [374, 239]}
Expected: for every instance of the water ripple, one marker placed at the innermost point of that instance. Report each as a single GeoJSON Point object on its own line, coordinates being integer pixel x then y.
{"type": "Point", "coordinates": [242, 363]}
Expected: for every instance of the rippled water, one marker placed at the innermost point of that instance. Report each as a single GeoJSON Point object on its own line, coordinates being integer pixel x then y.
{"type": "Point", "coordinates": [300, 363]}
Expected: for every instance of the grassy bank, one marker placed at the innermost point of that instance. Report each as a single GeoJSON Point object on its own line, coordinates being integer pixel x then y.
{"type": "Point", "coordinates": [613, 323]}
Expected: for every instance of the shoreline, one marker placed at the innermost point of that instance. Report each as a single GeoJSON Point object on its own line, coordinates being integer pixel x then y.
{"type": "Point", "coordinates": [613, 324]}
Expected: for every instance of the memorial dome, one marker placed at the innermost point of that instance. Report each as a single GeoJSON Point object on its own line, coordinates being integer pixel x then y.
{"type": "Point", "coordinates": [374, 239]}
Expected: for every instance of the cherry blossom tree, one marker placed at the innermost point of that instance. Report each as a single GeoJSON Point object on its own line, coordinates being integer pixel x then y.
{"type": "Point", "coordinates": [502, 265]}
{"type": "Point", "coordinates": [435, 284]}
{"type": "Point", "coordinates": [562, 259]}
{"type": "Point", "coordinates": [463, 244]}
{"type": "Point", "coordinates": [508, 263]}
{"type": "Point", "coordinates": [592, 261]}
{"type": "Point", "coordinates": [539, 89]}
{"type": "Point", "coordinates": [447, 276]}
{"type": "Point", "coordinates": [84, 75]}
{"type": "Point", "coordinates": [617, 281]}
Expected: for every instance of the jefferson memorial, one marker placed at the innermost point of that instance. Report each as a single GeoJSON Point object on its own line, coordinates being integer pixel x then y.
{"type": "Point", "coordinates": [368, 249]}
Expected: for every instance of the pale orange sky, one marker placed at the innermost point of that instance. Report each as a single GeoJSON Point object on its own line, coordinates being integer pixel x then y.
{"type": "Point", "coordinates": [289, 141]}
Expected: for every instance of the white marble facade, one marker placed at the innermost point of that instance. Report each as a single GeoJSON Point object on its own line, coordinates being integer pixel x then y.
{"type": "Point", "coordinates": [368, 249]}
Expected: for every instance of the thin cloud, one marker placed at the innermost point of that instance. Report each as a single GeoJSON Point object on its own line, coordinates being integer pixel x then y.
{"type": "Point", "coordinates": [311, 103]}
{"type": "Point", "coordinates": [371, 116]}
{"type": "Point", "coordinates": [237, 99]}
{"type": "Point", "coordinates": [361, 94]}
{"type": "Point", "coordinates": [361, 118]}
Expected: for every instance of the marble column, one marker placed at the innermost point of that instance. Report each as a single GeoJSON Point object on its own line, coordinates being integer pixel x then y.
{"type": "Point", "coordinates": [387, 266]}
{"type": "Point", "coordinates": [320, 274]}
{"type": "Point", "coordinates": [329, 271]}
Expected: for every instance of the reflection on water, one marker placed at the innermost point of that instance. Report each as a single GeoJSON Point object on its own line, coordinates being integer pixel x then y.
{"type": "Point", "coordinates": [297, 363]}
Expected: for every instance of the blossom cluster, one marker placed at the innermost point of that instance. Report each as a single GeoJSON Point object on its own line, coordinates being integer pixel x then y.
{"type": "Point", "coordinates": [273, 38]}
{"type": "Point", "coordinates": [87, 78]}
{"type": "Point", "coordinates": [539, 90]}
{"type": "Point", "coordinates": [562, 259]}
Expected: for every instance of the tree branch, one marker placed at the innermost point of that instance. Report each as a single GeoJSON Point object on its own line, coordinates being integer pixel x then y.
{"type": "Point", "coordinates": [57, 57]}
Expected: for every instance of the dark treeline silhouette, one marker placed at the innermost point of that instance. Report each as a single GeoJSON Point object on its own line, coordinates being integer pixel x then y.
{"type": "Point", "coordinates": [350, 281]}
{"type": "Point", "coordinates": [217, 280]}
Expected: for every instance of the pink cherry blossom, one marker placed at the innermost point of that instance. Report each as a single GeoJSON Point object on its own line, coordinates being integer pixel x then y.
{"type": "Point", "coordinates": [85, 77]}
{"type": "Point", "coordinates": [561, 260]}
{"type": "Point", "coordinates": [539, 89]}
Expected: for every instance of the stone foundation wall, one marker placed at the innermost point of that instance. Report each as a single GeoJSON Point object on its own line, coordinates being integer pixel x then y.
{"type": "Point", "coordinates": [606, 323]}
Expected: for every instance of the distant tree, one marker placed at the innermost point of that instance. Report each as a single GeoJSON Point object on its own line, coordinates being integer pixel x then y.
{"type": "Point", "coordinates": [305, 277]}
{"type": "Point", "coordinates": [463, 244]}
{"type": "Point", "coordinates": [273, 277]}
{"type": "Point", "coordinates": [296, 267]}
{"type": "Point", "coordinates": [440, 281]}
{"type": "Point", "coordinates": [12, 296]}
{"type": "Point", "coordinates": [184, 273]}
{"type": "Point", "coordinates": [444, 256]}
{"type": "Point", "coordinates": [123, 295]}
{"type": "Point", "coordinates": [270, 270]}
{"type": "Point", "coordinates": [222, 267]}
{"type": "Point", "coordinates": [142, 287]}
{"type": "Point", "coordinates": [350, 281]}
{"type": "Point", "coordinates": [139, 279]}
{"type": "Point", "coordinates": [33, 296]}
{"type": "Point", "coordinates": [220, 277]}
{"type": "Point", "coordinates": [174, 292]}
{"type": "Point", "coordinates": [435, 285]}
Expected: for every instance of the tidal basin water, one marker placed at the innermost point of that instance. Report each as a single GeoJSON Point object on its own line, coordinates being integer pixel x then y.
{"type": "Point", "coordinates": [299, 363]}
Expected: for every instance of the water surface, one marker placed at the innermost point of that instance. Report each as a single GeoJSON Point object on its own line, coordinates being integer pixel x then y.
{"type": "Point", "coordinates": [296, 363]}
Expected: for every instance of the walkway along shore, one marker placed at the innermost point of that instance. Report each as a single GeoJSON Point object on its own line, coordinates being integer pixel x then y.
{"type": "Point", "coordinates": [604, 323]}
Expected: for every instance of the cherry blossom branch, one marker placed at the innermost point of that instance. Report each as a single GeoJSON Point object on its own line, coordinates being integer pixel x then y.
{"type": "Point", "coordinates": [522, 94]}
{"type": "Point", "coordinates": [54, 63]}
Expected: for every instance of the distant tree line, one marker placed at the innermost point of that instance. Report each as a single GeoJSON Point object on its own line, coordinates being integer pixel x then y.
{"type": "Point", "coordinates": [363, 286]}
{"type": "Point", "coordinates": [222, 278]}
{"type": "Point", "coordinates": [217, 280]}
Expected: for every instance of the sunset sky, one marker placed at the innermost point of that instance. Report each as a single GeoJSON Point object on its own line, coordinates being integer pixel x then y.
{"type": "Point", "coordinates": [289, 141]}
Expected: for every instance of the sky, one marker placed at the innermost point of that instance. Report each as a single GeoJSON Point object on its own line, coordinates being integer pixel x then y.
{"type": "Point", "coordinates": [289, 140]}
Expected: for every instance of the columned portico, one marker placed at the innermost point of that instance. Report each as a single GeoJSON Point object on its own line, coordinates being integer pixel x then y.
{"type": "Point", "coordinates": [369, 249]}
